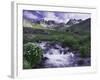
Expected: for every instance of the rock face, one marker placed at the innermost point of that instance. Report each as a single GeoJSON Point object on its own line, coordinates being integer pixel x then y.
{"type": "Point", "coordinates": [73, 21]}
{"type": "Point", "coordinates": [47, 24]}
{"type": "Point", "coordinates": [50, 24]}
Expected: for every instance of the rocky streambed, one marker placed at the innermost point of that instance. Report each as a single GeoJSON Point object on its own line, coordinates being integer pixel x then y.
{"type": "Point", "coordinates": [55, 55]}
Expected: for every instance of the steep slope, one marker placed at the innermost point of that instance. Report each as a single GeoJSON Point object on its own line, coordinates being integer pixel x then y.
{"type": "Point", "coordinates": [82, 27]}
{"type": "Point", "coordinates": [73, 21]}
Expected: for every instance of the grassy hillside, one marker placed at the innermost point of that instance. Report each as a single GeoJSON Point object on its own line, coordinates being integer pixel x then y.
{"type": "Point", "coordinates": [83, 31]}
{"type": "Point", "coordinates": [77, 36]}
{"type": "Point", "coordinates": [81, 28]}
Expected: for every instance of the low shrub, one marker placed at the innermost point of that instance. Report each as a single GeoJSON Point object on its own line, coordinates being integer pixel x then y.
{"type": "Point", "coordinates": [32, 54]}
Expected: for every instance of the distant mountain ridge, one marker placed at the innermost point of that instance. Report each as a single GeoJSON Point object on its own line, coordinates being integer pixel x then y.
{"type": "Point", "coordinates": [51, 24]}
{"type": "Point", "coordinates": [74, 21]}
{"type": "Point", "coordinates": [82, 27]}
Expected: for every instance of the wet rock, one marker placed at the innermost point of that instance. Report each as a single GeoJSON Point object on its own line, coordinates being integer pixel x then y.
{"type": "Point", "coordinates": [80, 62]}
{"type": "Point", "coordinates": [50, 53]}
{"type": "Point", "coordinates": [87, 61]}
{"type": "Point", "coordinates": [77, 54]}
{"type": "Point", "coordinates": [70, 50]}
{"type": "Point", "coordinates": [46, 50]}
{"type": "Point", "coordinates": [67, 48]}
{"type": "Point", "coordinates": [58, 46]}
{"type": "Point", "coordinates": [45, 58]}
{"type": "Point", "coordinates": [60, 51]}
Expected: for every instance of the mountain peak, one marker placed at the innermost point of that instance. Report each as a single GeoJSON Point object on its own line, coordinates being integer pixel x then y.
{"type": "Point", "coordinates": [74, 21]}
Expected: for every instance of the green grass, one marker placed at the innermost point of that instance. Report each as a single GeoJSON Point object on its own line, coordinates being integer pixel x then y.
{"type": "Point", "coordinates": [77, 36]}
{"type": "Point", "coordinates": [37, 26]}
{"type": "Point", "coordinates": [77, 42]}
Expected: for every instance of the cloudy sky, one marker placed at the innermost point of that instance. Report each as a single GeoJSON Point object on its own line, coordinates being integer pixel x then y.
{"type": "Point", "coordinates": [56, 16]}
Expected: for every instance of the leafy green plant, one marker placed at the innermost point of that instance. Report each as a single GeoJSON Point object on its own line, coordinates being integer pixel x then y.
{"type": "Point", "coordinates": [70, 41]}
{"type": "Point", "coordinates": [32, 54]}
{"type": "Point", "coordinates": [84, 50]}
{"type": "Point", "coordinates": [26, 64]}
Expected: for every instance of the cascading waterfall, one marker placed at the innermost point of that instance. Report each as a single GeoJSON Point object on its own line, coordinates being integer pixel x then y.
{"type": "Point", "coordinates": [56, 56]}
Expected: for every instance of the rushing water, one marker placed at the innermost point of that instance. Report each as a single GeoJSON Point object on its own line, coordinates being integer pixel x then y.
{"type": "Point", "coordinates": [56, 56]}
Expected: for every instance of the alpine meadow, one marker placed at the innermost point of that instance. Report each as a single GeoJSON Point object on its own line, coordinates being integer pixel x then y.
{"type": "Point", "coordinates": [56, 39]}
